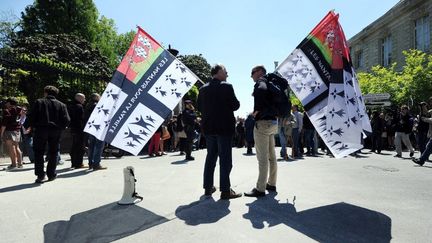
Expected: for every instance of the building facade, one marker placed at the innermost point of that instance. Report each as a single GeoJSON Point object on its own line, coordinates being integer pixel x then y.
{"type": "Point", "coordinates": [405, 26]}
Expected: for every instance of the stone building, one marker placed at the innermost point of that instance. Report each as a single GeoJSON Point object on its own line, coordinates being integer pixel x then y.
{"type": "Point", "coordinates": [405, 26]}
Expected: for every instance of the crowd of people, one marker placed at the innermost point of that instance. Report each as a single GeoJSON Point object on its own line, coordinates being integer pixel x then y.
{"type": "Point", "coordinates": [38, 131]}
{"type": "Point", "coordinates": [210, 124]}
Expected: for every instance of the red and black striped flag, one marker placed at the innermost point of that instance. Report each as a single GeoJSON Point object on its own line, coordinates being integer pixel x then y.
{"type": "Point", "coordinates": [145, 88]}
{"type": "Point", "coordinates": [320, 73]}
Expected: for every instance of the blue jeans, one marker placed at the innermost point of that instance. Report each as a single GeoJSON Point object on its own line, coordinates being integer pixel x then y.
{"type": "Point", "coordinates": [218, 146]}
{"type": "Point", "coordinates": [282, 141]}
{"type": "Point", "coordinates": [95, 147]}
{"type": "Point", "coordinates": [428, 150]}
{"type": "Point", "coordinates": [28, 146]}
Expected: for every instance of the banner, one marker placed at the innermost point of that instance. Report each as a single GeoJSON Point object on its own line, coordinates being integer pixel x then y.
{"type": "Point", "coordinates": [320, 73]}
{"type": "Point", "coordinates": [145, 88]}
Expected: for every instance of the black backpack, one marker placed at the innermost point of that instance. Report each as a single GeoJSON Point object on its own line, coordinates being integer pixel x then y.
{"type": "Point", "coordinates": [279, 93]}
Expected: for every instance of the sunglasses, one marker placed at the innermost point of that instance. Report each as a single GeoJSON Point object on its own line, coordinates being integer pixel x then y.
{"type": "Point", "coordinates": [253, 72]}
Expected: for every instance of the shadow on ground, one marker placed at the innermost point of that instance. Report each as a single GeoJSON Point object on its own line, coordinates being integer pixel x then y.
{"type": "Point", "coordinates": [180, 162]}
{"type": "Point", "coordinates": [340, 222]}
{"type": "Point", "coordinates": [104, 224]}
{"type": "Point", "coordinates": [204, 211]}
{"type": "Point", "coordinates": [18, 187]}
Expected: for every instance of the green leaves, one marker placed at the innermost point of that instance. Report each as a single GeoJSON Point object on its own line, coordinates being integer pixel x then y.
{"type": "Point", "coordinates": [411, 84]}
{"type": "Point", "coordinates": [62, 53]}
{"type": "Point", "coordinates": [77, 17]}
{"type": "Point", "coordinates": [198, 65]}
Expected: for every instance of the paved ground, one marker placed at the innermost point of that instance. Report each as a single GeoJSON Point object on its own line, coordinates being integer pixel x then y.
{"type": "Point", "coordinates": [373, 198]}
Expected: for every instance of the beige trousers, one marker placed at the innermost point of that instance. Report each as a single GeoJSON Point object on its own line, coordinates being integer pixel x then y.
{"type": "Point", "coordinates": [264, 132]}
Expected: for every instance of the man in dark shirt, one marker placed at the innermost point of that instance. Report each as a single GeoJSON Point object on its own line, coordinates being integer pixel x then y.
{"type": "Point", "coordinates": [425, 116]}
{"type": "Point", "coordinates": [403, 130]}
{"type": "Point", "coordinates": [217, 103]}
{"type": "Point", "coordinates": [265, 129]}
{"type": "Point", "coordinates": [48, 117]}
{"type": "Point", "coordinates": [188, 119]}
{"type": "Point", "coordinates": [76, 113]}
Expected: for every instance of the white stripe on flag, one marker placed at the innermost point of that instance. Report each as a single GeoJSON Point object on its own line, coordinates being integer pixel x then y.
{"type": "Point", "coordinates": [111, 99]}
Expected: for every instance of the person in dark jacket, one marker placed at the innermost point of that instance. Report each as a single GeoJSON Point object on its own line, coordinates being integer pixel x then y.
{"type": "Point", "coordinates": [403, 129]}
{"type": "Point", "coordinates": [249, 126]}
{"type": "Point", "coordinates": [426, 117]}
{"type": "Point", "coordinates": [422, 127]}
{"type": "Point", "coordinates": [188, 119]}
{"type": "Point", "coordinates": [48, 117]}
{"type": "Point", "coordinates": [76, 113]}
{"type": "Point", "coordinates": [378, 126]}
{"type": "Point", "coordinates": [217, 103]}
{"type": "Point", "coordinates": [240, 132]}
{"type": "Point", "coordinates": [265, 128]}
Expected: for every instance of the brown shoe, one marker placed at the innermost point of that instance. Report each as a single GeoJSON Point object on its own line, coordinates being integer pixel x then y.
{"type": "Point", "coordinates": [231, 194]}
{"type": "Point", "coordinates": [100, 167]}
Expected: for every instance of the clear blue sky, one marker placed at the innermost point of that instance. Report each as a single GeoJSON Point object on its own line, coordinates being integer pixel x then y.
{"type": "Point", "coordinates": [236, 33]}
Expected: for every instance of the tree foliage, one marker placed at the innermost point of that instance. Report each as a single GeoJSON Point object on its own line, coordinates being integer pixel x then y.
{"type": "Point", "coordinates": [198, 65]}
{"type": "Point", "coordinates": [106, 39]}
{"type": "Point", "coordinates": [62, 51]}
{"type": "Point", "coordinates": [66, 61]}
{"type": "Point", "coordinates": [122, 44]}
{"type": "Point", "coordinates": [66, 43]}
{"type": "Point", "coordinates": [77, 17]}
{"type": "Point", "coordinates": [410, 85]}
{"type": "Point", "coordinates": [8, 26]}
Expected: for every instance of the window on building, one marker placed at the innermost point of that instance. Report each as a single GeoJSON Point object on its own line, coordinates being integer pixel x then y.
{"type": "Point", "coordinates": [359, 59]}
{"type": "Point", "coordinates": [386, 51]}
{"type": "Point", "coordinates": [422, 34]}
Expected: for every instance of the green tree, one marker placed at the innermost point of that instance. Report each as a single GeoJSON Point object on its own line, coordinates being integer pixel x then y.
{"type": "Point", "coordinates": [411, 85]}
{"type": "Point", "coordinates": [198, 65]}
{"type": "Point", "coordinates": [122, 44]}
{"type": "Point", "coordinates": [106, 39]}
{"type": "Point", "coordinates": [8, 26]}
{"type": "Point", "coordinates": [77, 17]}
{"type": "Point", "coordinates": [67, 61]}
